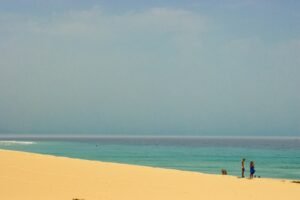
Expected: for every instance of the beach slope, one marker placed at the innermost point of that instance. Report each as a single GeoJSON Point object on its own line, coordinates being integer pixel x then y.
{"type": "Point", "coordinates": [29, 176]}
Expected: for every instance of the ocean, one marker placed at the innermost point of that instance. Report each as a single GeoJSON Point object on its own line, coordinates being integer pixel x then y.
{"type": "Point", "coordinates": [273, 157]}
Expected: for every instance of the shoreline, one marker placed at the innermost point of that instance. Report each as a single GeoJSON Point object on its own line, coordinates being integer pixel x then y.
{"type": "Point", "coordinates": [30, 176]}
{"type": "Point", "coordinates": [148, 166]}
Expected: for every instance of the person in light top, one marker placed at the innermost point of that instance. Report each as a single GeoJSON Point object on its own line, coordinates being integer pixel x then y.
{"type": "Point", "coordinates": [243, 167]}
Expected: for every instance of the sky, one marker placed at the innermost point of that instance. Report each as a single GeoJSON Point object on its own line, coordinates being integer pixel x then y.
{"type": "Point", "coordinates": [155, 67]}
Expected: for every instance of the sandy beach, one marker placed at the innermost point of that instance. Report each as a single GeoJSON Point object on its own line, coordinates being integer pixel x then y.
{"type": "Point", "coordinates": [29, 176]}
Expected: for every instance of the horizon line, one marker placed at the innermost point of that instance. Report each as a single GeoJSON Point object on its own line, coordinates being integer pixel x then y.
{"type": "Point", "coordinates": [66, 136]}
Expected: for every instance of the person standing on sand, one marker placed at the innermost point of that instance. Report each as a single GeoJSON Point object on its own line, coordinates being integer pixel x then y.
{"type": "Point", "coordinates": [243, 167]}
{"type": "Point", "coordinates": [252, 170]}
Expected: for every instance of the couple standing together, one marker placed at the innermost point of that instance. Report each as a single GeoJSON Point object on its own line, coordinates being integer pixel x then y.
{"type": "Point", "coordinates": [252, 170]}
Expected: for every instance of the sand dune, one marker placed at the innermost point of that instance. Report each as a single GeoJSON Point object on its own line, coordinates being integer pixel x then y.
{"type": "Point", "coordinates": [30, 176]}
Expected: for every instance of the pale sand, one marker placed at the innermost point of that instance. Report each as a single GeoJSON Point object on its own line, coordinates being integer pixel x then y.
{"type": "Point", "coordinates": [30, 176]}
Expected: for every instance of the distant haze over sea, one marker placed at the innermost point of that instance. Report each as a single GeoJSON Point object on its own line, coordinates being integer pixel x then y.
{"type": "Point", "coordinates": [149, 67]}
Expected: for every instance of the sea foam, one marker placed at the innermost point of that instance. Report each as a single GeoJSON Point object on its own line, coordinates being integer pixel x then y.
{"type": "Point", "coordinates": [11, 142]}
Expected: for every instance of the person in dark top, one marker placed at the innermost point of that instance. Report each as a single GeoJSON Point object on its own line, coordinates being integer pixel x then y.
{"type": "Point", "coordinates": [252, 170]}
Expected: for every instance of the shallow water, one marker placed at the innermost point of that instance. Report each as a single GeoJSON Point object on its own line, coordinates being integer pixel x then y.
{"type": "Point", "coordinates": [274, 157]}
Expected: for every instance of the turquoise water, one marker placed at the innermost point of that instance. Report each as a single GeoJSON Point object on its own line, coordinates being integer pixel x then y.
{"type": "Point", "coordinates": [276, 158]}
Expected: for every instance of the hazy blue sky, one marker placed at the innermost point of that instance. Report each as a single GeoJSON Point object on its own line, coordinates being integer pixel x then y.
{"type": "Point", "coordinates": [152, 67]}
